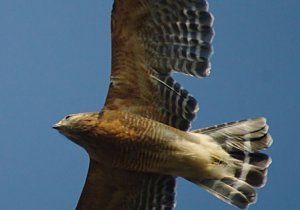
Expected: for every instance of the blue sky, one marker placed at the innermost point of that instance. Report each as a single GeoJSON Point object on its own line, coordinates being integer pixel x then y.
{"type": "Point", "coordinates": [55, 60]}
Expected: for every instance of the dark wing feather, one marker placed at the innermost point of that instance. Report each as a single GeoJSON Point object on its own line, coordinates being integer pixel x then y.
{"type": "Point", "coordinates": [111, 189]}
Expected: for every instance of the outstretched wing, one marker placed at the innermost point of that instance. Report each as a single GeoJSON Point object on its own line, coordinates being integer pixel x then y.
{"type": "Point", "coordinates": [111, 189]}
{"type": "Point", "coordinates": [150, 38]}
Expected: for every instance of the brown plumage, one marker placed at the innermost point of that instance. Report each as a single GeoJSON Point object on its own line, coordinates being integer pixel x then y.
{"type": "Point", "coordinates": [139, 143]}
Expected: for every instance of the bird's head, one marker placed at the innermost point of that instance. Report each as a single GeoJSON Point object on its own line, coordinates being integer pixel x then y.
{"type": "Point", "coordinates": [78, 126]}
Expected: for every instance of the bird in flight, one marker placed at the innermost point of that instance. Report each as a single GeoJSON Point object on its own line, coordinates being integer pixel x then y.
{"type": "Point", "coordinates": [141, 139]}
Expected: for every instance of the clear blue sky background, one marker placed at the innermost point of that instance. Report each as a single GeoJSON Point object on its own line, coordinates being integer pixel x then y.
{"type": "Point", "coordinates": [55, 60]}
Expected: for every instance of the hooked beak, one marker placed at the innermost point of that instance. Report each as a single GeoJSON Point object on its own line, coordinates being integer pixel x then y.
{"type": "Point", "coordinates": [56, 126]}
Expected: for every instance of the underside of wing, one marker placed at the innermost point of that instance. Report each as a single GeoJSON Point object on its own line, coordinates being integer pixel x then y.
{"type": "Point", "coordinates": [150, 39]}
{"type": "Point", "coordinates": [111, 189]}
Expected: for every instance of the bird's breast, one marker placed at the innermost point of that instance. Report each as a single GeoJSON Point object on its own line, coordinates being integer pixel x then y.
{"type": "Point", "coordinates": [128, 141]}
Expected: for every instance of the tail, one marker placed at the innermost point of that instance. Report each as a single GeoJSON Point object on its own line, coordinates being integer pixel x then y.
{"type": "Point", "coordinates": [242, 140]}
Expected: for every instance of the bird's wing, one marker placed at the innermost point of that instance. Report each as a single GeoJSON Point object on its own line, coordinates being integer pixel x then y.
{"type": "Point", "coordinates": [111, 189]}
{"type": "Point", "coordinates": [150, 38]}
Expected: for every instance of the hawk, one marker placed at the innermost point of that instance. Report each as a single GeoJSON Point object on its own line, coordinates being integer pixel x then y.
{"type": "Point", "coordinates": [140, 141]}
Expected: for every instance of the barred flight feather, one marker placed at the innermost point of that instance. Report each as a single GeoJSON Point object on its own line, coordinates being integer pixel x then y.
{"type": "Point", "coordinates": [178, 37]}
{"type": "Point", "coordinates": [158, 193]}
{"type": "Point", "coordinates": [178, 104]}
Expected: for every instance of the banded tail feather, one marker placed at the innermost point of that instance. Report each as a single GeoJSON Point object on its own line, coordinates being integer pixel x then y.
{"type": "Point", "coordinates": [246, 135]}
{"type": "Point", "coordinates": [242, 140]}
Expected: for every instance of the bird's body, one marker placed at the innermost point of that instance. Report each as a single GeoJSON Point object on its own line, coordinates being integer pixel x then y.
{"type": "Point", "coordinates": [140, 141]}
{"type": "Point", "coordinates": [127, 141]}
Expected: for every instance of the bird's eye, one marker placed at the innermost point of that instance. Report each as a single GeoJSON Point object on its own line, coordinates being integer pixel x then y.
{"type": "Point", "coordinates": [67, 117]}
